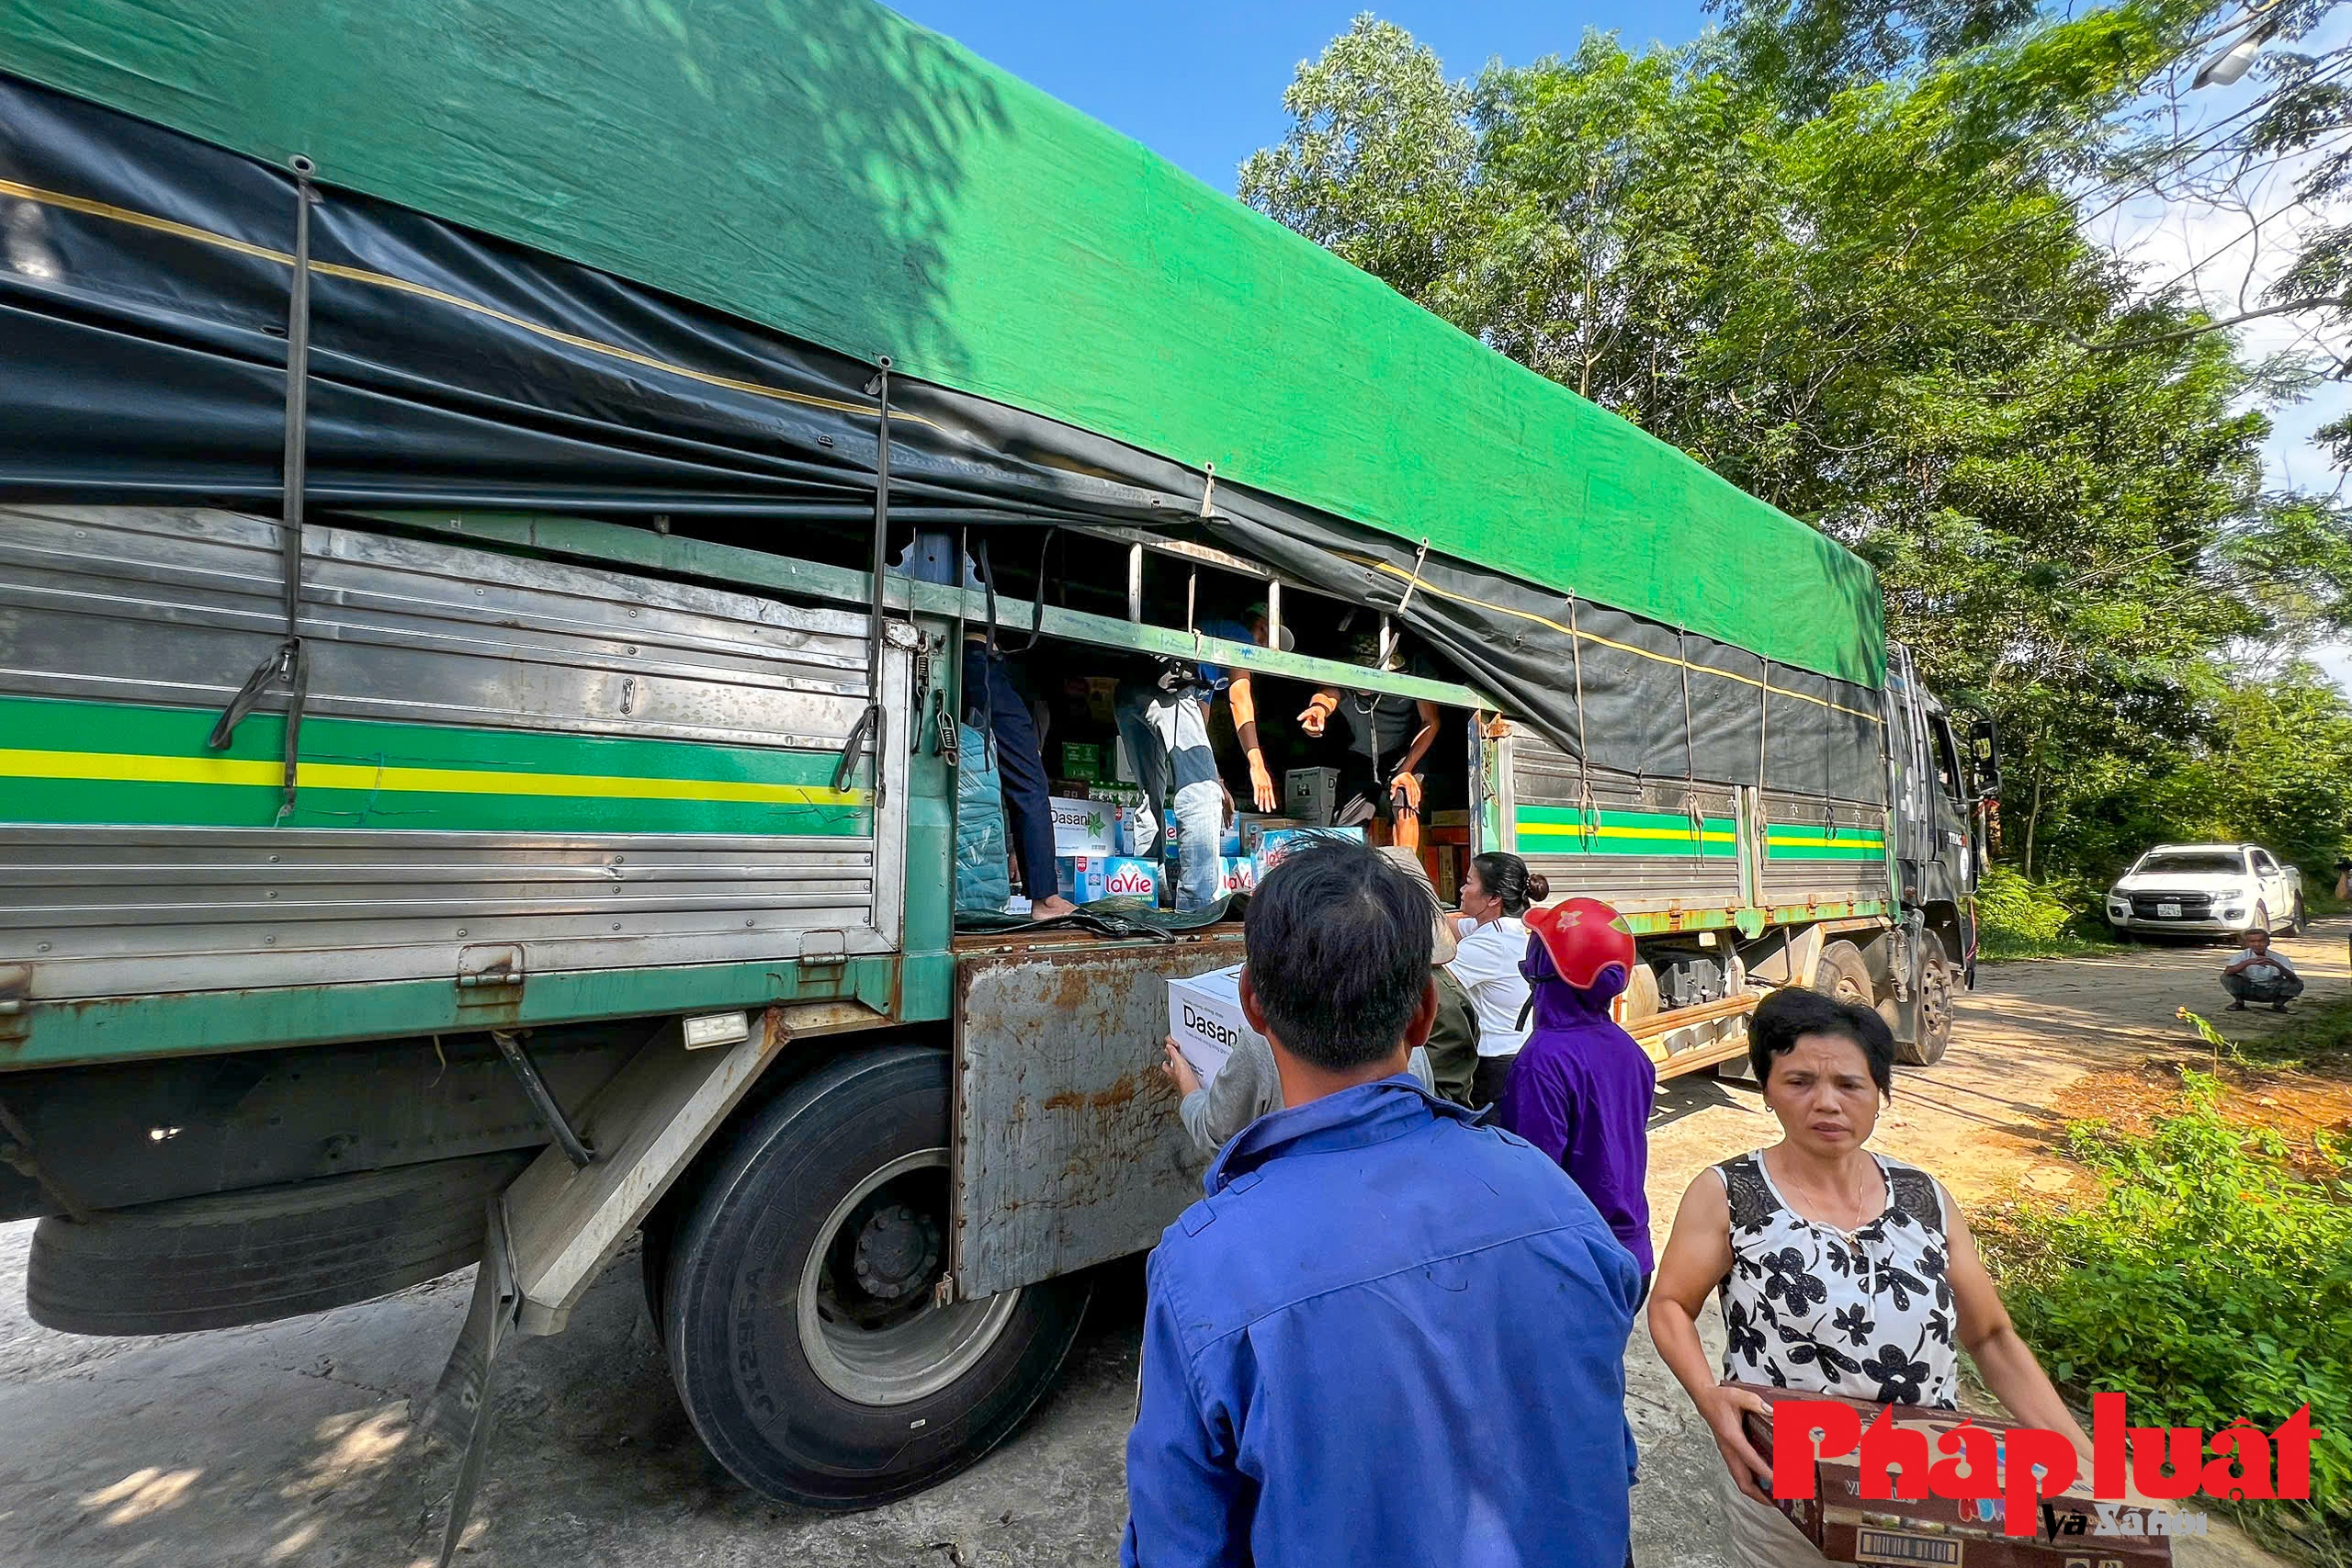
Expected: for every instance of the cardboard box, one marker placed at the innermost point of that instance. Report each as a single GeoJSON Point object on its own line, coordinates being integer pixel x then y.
{"type": "Point", "coordinates": [1126, 837]}
{"type": "Point", "coordinates": [1275, 843]}
{"type": "Point", "coordinates": [1307, 794]}
{"type": "Point", "coordinates": [1090, 879]}
{"type": "Point", "coordinates": [1082, 828]}
{"type": "Point", "coordinates": [1847, 1527]}
{"type": "Point", "coordinates": [1082, 760]}
{"type": "Point", "coordinates": [1250, 827]}
{"type": "Point", "coordinates": [1205, 1015]}
{"type": "Point", "coordinates": [1081, 876]}
{"type": "Point", "coordinates": [1128, 879]}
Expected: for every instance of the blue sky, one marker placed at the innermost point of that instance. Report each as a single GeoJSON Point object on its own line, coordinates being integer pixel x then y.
{"type": "Point", "coordinates": [1202, 83]}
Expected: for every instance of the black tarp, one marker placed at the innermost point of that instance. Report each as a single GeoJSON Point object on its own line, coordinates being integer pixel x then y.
{"type": "Point", "coordinates": [142, 350]}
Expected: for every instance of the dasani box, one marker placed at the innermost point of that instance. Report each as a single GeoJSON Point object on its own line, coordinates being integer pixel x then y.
{"type": "Point", "coordinates": [1205, 1015]}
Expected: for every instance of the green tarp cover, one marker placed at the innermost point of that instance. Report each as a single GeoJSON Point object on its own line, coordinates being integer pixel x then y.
{"type": "Point", "coordinates": [830, 170]}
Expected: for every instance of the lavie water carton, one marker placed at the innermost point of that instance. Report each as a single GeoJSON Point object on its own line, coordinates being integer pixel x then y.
{"type": "Point", "coordinates": [1087, 879]}
{"type": "Point", "coordinates": [1205, 1015]}
{"type": "Point", "coordinates": [1124, 877]}
{"type": "Point", "coordinates": [1081, 876]}
{"type": "Point", "coordinates": [1274, 844]}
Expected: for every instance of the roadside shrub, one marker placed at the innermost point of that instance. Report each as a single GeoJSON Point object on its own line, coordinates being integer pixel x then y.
{"type": "Point", "coordinates": [2209, 1281]}
{"type": "Point", "coordinates": [2018, 918]}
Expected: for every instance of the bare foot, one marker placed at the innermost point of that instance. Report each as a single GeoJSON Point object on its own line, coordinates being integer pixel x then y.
{"type": "Point", "coordinates": [1051, 909]}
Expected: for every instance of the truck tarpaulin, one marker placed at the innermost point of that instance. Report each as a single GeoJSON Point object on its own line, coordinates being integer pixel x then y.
{"type": "Point", "coordinates": [142, 350]}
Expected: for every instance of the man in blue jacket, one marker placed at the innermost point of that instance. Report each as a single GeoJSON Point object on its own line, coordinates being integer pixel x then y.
{"type": "Point", "coordinates": [1389, 1335]}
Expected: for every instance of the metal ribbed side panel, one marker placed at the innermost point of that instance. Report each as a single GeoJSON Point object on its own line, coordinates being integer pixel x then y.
{"type": "Point", "coordinates": [1591, 847]}
{"type": "Point", "coordinates": [602, 770]}
{"type": "Point", "coordinates": [175, 606]}
{"type": "Point", "coordinates": [1822, 851]}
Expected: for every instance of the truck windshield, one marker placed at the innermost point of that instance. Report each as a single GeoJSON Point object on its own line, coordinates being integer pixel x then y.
{"type": "Point", "coordinates": [2228, 863]}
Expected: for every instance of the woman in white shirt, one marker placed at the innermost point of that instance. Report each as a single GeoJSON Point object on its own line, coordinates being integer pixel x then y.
{"type": "Point", "coordinates": [1494, 896]}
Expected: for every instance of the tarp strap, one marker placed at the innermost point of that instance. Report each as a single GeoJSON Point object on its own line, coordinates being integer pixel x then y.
{"type": "Point", "coordinates": [869, 729]}
{"type": "Point", "coordinates": [1037, 607]}
{"type": "Point", "coordinates": [1690, 804]}
{"type": "Point", "coordinates": [1420, 558]}
{"type": "Point", "coordinates": [988, 587]}
{"type": "Point", "coordinates": [928, 704]}
{"type": "Point", "coordinates": [987, 570]}
{"type": "Point", "coordinates": [287, 661]}
{"type": "Point", "coordinates": [1764, 728]}
{"type": "Point", "coordinates": [1689, 753]}
{"type": "Point", "coordinates": [1586, 823]}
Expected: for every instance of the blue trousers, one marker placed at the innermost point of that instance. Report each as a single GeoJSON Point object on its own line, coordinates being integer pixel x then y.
{"type": "Point", "coordinates": [1021, 763]}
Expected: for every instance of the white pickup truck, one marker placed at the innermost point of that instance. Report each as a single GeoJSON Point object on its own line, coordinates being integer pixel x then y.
{"type": "Point", "coordinates": [2207, 889]}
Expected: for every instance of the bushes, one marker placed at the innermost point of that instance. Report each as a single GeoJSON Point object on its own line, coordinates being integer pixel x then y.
{"type": "Point", "coordinates": [2018, 918]}
{"type": "Point", "coordinates": [2209, 1281]}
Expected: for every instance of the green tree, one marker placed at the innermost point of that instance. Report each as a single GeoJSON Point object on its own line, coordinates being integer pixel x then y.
{"type": "Point", "coordinates": [1874, 305]}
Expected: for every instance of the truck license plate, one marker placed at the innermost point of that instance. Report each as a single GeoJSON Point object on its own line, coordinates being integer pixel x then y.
{"type": "Point", "coordinates": [2167, 911]}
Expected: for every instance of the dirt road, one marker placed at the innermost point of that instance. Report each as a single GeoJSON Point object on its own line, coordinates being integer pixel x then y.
{"type": "Point", "coordinates": [285, 1443]}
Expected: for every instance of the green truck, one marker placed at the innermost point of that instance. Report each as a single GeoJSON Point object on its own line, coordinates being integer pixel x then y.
{"type": "Point", "coordinates": [471, 791]}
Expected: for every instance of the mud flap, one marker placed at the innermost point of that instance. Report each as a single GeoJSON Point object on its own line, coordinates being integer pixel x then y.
{"type": "Point", "coordinates": [459, 1412]}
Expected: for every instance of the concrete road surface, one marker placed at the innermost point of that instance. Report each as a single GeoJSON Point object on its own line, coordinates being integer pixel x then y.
{"type": "Point", "coordinates": [286, 1443]}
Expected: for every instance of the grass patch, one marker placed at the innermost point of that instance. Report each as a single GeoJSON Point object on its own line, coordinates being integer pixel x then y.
{"type": "Point", "coordinates": [2314, 1037]}
{"type": "Point", "coordinates": [2017, 918]}
{"type": "Point", "coordinates": [2210, 1279]}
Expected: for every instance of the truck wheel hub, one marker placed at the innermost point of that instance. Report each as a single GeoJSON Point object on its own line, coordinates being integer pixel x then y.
{"type": "Point", "coordinates": [897, 1250]}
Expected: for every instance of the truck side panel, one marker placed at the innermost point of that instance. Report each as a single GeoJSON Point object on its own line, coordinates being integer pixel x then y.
{"type": "Point", "coordinates": [1639, 843]}
{"type": "Point", "coordinates": [1068, 1151]}
{"type": "Point", "coordinates": [507, 767]}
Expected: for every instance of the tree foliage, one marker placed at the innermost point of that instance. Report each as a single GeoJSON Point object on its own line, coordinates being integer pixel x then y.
{"type": "Point", "coordinates": [1837, 251]}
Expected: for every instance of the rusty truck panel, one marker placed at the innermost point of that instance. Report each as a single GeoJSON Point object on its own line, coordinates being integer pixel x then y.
{"type": "Point", "coordinates": [1068, 1149]}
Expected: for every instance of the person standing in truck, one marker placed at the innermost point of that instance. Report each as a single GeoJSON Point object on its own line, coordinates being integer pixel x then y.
{"type": "Point", "coordinates": [990, 698]}
{"type": "Point", "coordinates": [1389, 737]}
{"type": "Point", "coordinates": [1163, 717]}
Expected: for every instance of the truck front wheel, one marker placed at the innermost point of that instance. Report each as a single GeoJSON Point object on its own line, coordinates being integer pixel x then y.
{"type": "Point", "coordinates": [1936, 982]}
{"type": "Point", "coordinates": [800, 1305]}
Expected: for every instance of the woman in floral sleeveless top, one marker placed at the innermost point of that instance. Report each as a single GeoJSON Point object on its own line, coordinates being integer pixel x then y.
{"type": "Point", "coordinates": [1837, 1270]}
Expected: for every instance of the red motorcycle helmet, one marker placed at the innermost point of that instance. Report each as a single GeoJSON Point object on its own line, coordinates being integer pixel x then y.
{"type": "Point", "coordinates": [1585, 937]}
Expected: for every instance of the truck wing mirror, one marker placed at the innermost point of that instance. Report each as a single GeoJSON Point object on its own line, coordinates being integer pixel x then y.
{"type": "Point", "coordinates": [1984, 758]}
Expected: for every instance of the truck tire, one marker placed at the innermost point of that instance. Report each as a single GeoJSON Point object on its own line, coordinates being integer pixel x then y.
{"type": "Point", "coordinates": [2297, 918]}
{"type": "Point", "coordinates": [798, 1304]}
{"type": "Point", "coordinates": [230, 1259]}
{"type": "Point", "coordinates": [1643, 999]}
{"type": "Point", "coordinates": [1842, 974]}
{"type": "Point", "coordinates": [1936, 982]}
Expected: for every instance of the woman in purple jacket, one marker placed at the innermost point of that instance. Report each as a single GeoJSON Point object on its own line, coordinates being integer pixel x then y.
{"type": "Point", "coordinates": [1581, 1089]}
